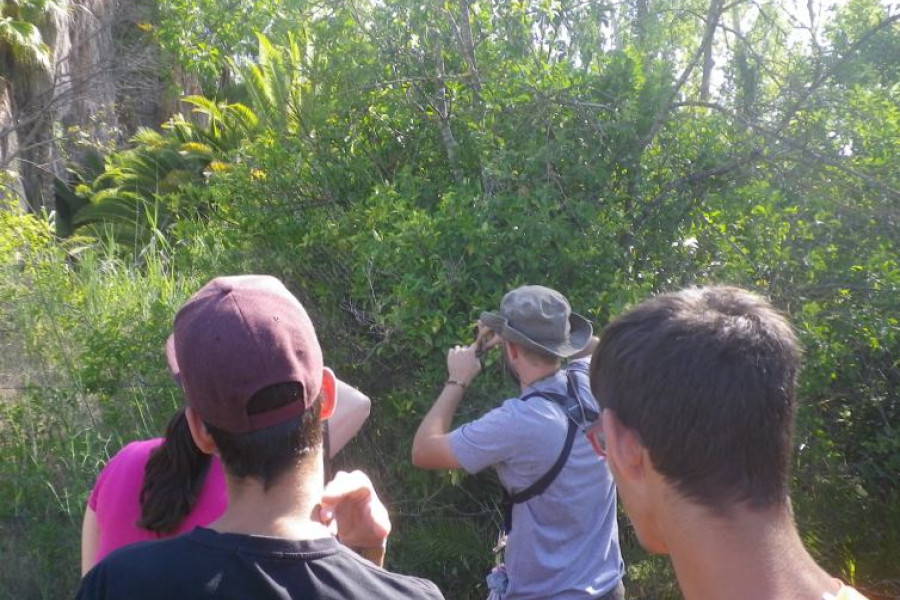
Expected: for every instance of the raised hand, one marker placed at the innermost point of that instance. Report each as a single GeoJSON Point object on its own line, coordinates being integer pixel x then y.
{"type": "Point", "coordinates": [463, 364]}
{"type": "Point", "coordinates": [350, 503]}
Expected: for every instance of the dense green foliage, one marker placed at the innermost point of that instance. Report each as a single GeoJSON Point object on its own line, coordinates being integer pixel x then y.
{"type": "Point", "coordinates": [400, 165]}
{"type": "Point", "coordinates": [21, 41]}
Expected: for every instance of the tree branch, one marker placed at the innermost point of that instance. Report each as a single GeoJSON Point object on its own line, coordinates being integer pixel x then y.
{"type": "Point", "coordinates": [716, 7]}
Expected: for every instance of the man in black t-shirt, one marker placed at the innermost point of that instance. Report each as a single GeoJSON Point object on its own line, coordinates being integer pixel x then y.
{"type": "Point", "coordinates": [257, 390]}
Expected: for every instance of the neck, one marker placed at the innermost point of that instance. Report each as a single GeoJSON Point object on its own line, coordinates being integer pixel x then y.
{"type": "Point", "coordinates": [285, 510]}
{"type": "Point", "coordinates": [750, 554]}
{"type": "Point", "coordinates": [531, 374]}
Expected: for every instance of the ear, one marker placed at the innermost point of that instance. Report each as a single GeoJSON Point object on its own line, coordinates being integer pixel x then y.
{"type": "Point", "coordinates": [199, 432]}
{"type": "Point", "coordinates": [328, 393]}
{"type": "Point", "coordinates": [627, 456]}
{"type": "Point", "coordinates": [512, 350]}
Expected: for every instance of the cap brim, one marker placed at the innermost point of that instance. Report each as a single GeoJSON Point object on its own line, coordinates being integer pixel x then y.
{"type": "Point", "coordinates": [580, 332]}
{"type": "Point", "coordinates": [493, 321]}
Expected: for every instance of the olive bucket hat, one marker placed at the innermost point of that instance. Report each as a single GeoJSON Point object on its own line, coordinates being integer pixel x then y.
{"type": "Point", "coordinates": [536, 317]}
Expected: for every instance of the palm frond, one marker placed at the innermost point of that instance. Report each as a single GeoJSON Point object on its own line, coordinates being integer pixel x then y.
{"type": "Point", "coordinates": [275, 84]}
{"type": "Point", "coordinates": [241, 118]}
{"type": "Point", "coordinates": [111, 206]}
{"type": "Point", "coordinates": [145, 136]}
{"type": "Point", "coordinates": [40, 11]}
{"type": "Point", "coordinates": [25, 43]}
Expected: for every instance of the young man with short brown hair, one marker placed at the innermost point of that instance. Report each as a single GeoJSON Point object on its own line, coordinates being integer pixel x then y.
{"type": "Point", "coordinates": [257, 390]}
{"type": "Point", "coordinates": [698, 396]}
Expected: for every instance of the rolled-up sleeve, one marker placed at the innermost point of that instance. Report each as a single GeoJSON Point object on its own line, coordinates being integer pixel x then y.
{"type": "Point", "coordinates": [487, 441]}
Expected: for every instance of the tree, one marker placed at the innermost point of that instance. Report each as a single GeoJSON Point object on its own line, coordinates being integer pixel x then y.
{"type": "Point", "coordinates": [27, 63]}
{"type": "Point", "coordinates": [402, 164]}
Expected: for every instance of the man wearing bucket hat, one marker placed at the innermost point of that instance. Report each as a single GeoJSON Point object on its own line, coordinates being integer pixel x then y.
{"type": "Point", "coordinates": [257, 390]}
{"type": "Point", "coordinates": [561, 536]}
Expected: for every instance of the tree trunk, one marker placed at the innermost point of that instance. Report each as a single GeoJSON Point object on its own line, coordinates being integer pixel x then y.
{"type": "Point", "coordinates": [10, 185]}
{"type": "Point", "coordinates": [641, 14]}
{"type": "Point", "coordinates": [712, 22]}
{"type": "Point", "coordinates": [48, 118]}
{"type": "Point", "coordinates": [468, 47]}
{"type": "Point", "coordinates": [31, 99]}
{"type": "Point", "coordinates": [442, 109]}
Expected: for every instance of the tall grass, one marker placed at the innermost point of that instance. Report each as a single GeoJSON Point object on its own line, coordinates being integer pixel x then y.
{"type": "Point", "coordinates": [83, 334]}
{"type": "Point", "coordinates": [82, 327]}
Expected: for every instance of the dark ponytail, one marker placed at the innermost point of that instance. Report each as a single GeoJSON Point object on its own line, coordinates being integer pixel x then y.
{"type": "Point", "coordinates": [172, 478]}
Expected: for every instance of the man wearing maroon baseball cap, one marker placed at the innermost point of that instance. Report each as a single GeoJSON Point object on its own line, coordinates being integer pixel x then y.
{"type": "Point", "coordinates": [247, 356]}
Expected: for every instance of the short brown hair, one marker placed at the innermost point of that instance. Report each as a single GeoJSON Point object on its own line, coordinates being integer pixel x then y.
{"type": "Point", "coordinates": [706, 377]}
{"type": "Point", "coordinates": [266, 454]}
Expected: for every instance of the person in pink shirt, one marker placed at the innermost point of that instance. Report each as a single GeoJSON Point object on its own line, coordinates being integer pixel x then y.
{"type": "Point", "coordinates": [162, 487]}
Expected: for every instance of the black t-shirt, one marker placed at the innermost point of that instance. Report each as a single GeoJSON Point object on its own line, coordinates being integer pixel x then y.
{"type": "Point", "coordinates": [207, 564]}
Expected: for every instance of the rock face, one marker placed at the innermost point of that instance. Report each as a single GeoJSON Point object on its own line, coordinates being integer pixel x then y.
{"type": "Point", "coordinates": [103, 84]}
{"type": "Point", "coordinates": [87, 77]}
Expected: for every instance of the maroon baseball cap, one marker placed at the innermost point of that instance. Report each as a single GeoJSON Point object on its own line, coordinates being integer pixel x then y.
{"type": "Point", "coordinates": [233, 338]}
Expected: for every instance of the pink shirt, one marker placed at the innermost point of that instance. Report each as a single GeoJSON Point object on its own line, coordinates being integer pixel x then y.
{"type": "Point", "coordinates": [115, 498]}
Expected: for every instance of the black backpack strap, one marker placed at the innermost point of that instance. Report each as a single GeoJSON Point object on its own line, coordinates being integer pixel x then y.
{"type": "Point", "coordinates": [544, 482]}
